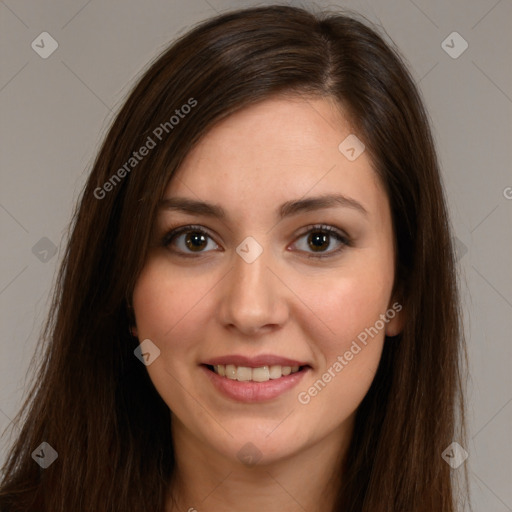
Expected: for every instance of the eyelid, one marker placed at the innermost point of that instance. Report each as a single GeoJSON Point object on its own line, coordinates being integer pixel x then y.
{"type": "Point", "coordinates": [173, 231]}
{"type": "Point", "coordinates": [324, 227]}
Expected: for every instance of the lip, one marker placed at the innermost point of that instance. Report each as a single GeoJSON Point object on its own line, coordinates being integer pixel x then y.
{"type": "Point", "coordinates": [253, 392]}
{"type": "Point", "coordinates": [256, 361]}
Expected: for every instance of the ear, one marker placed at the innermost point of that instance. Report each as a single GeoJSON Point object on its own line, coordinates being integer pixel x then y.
{"type": "Point", "coordinates": [396, 317]}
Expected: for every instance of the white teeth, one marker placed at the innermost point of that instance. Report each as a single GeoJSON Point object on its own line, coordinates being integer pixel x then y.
{"type": "Point", "coordinates": [260, 374]}
{"type": "Point", "coordinates": [275, 372]}
{"type": "Point", "coordinates": [230, 371]}
{"type": "Point", "coordinates": [243, 373]}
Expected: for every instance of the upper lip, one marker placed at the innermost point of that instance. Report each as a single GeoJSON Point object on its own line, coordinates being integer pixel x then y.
{"type": "Point", "coordinates": [255, 362]}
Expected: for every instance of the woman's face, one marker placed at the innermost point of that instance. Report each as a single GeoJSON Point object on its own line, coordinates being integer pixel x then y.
{"type": "Point", "coordinates": [238, 301]}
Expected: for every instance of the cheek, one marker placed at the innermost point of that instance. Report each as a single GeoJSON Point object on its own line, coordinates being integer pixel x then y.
{"type": "Point", "coordinates": [168, 307]}
{"type": "Point", "coordinates": [347, 335]}
{"type": "Point", "coordinates": [341, 306]}
{"type": "Point", "coordinates": [165, 300]}
{"type": "Point", "coordinates": [349, 353]}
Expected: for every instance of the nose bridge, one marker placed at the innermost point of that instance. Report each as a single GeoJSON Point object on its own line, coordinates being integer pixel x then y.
{"type": "Point", "coordinates": [250, 280]}
{"type": "Point", "coordinates": [252, 298]}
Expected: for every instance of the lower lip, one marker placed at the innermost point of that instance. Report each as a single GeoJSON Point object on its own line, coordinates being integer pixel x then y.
{"type": "Point", "coordinates": [249, 391]}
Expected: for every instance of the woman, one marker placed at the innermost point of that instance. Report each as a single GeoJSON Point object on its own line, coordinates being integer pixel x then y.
{"type": "Point", "coordinates": [257, 308]}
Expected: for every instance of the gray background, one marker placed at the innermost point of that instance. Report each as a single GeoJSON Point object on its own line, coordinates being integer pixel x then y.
{"type": "Point", "coordinates": [55, 112]}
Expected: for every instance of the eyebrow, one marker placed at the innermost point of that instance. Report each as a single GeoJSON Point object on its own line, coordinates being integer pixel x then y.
{"type": "Point", "coordinates": [287, 209]}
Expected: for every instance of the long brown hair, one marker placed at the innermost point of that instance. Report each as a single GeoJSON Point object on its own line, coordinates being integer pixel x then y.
{"type": "Point", "coordinates": [93, 401]}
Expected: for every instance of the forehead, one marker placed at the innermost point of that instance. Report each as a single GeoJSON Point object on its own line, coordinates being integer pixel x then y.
{"type": "Point", "coordinates": [271, 152]}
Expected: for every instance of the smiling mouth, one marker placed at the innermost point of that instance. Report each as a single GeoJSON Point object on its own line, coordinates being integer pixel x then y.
{"type": "Point", "coordinates": [259, 374]}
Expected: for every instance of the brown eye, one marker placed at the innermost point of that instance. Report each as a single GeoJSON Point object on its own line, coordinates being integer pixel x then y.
{"type": "Point", "coordinates": [195, 240]}
{"type": "Point", "coordinates": [188, 240]}
{"type": "Point", "coordinates": [318, 241]}
{"type": "Point", "coordinates": [319, 238]}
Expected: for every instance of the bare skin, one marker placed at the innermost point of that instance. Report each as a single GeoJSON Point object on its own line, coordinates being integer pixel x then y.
{"type": "Point", "coordinates": [284, 303]}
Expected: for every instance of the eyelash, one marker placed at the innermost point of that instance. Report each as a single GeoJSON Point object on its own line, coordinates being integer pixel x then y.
{"type": "Point", "coordinates": [338, 235]}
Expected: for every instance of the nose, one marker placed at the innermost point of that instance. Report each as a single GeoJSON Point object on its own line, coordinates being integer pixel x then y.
{"type": "Point", "coordinates": [253, 298]}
